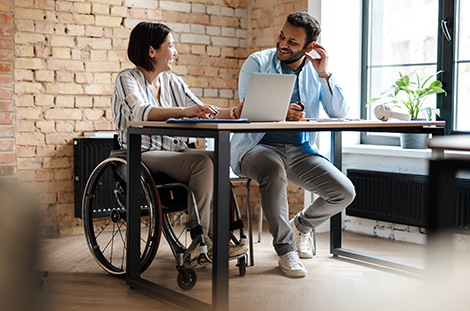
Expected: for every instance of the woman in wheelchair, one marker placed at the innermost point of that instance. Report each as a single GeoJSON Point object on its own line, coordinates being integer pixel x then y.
{"type": "Point", "coordinates": [148, 92]}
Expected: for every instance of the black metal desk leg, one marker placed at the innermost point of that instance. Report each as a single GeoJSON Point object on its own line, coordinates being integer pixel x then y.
{"type": "Point", "coordinates": [221, 220]}
{"type": "Point", "coordinates": [441, 215]}
{"type": "Point", "coordinates": [133, 212]}
{"type": "Point", "coordinates": [335, 221]}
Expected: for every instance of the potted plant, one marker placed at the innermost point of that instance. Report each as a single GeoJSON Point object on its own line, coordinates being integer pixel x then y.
{"type": "Point", "coordinates": [415, 93]}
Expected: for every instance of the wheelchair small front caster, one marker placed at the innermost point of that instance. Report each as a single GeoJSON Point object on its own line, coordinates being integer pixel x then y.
{"type": "Point", "coordinates": [241, 266]}
{"type": "Point", "coordinates": [186, 279]}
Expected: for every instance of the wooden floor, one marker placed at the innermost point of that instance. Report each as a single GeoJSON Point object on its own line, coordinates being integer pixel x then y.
{"type": "Point", "coordinates": [76, 282]}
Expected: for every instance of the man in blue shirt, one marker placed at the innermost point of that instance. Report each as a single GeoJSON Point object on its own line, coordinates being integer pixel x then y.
{"type": "Point", "coordinates": [273, 159]}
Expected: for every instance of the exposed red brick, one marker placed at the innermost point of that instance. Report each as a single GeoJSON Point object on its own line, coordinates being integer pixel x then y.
{"type": "Point", "coordinates": [6, 81]}
{"type": "Point", "coordinates": [6, 105]}
{"type": "Point", "coordinates": [7, 170]}
{"type": "Point", "coordinates": [6, 144]}
{"type": "Point", "coordinates": [223, 83]}
{"type": "Point", "coordinates": [7, 158]}
{"type": "Point", "coordinates": [6, 118]}
{"type": "Point", "coordinates": [44, 4]}
{"type": "Point", "coordinates": [6, 18]}
{"type": "Point", "coordinates": [6, 93]}
{"type": "Point", "coordinates": [5, 67]}
{"type": "Point", "coordinates": [6, 31]}
{"type": "Point", "coordinates": [6, 55]}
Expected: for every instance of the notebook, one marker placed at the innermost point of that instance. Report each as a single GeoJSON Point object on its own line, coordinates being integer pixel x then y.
{"type": "Point", "coordinates": [173, 120]}
{"type": "Point", "coordinates": [268, 97]}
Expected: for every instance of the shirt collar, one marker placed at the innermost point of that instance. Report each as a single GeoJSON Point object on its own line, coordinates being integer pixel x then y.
{"type": "Point", "coordinates": [278, 64]}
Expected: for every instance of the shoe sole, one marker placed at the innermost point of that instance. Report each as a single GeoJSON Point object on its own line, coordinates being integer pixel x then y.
{"type": "Point", "coordinates": [305, 255]}
{"type": "Point", "coordinates": [195, 264]}
{"type": "Point", "coordinates": [294, 273]}
{"type": "Point", "coordinates": [240, 252]}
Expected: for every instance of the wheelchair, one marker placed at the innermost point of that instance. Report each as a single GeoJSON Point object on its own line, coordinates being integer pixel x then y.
{"type": "Point", "coordinates": [163, 208]}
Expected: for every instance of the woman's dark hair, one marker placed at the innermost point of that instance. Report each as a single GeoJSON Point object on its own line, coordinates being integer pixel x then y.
{"type": "Point", "coordinates": [307, 22]}
{"type": "Point", "coordinates": [144, 36]}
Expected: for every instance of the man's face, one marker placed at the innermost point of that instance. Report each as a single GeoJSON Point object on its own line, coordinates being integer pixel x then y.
{"type": "Point", "coordinates": [290, 43]}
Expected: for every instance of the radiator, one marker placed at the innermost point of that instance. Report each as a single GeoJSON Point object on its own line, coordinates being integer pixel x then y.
{"type": "Point", "coordinates": [401, 198]}
{"type": "Point", "coordinates": [88, 153]}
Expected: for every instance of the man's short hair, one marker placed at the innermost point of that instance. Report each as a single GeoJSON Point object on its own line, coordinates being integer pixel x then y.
{"type": "Point", "coordinates": [307, 22]}
{"type": "Point", "coordinates": [143, 36]}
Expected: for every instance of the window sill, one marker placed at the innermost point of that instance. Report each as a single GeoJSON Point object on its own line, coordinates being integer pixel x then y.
{"type": "Point", "coordinates": [394, 151]}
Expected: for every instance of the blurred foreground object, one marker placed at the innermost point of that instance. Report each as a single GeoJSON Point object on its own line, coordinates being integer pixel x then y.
{"type": "Point", "coordinates": [18, 244]}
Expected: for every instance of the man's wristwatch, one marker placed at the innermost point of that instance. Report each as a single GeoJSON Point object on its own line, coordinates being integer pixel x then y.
{"type": "Point", "coordinates": [232, 113]}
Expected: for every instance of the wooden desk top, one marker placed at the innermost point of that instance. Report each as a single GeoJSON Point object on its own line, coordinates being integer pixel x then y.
{"type": "Point", "coordinates": [286, 125]}
{"type": "Point", "coordinates": [454, 142]}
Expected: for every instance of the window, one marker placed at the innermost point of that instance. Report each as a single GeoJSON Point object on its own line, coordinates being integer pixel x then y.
{"type": "Point", "coordinates": [461, 112]}
{"type": "Point", "coordinates": [408, 37]}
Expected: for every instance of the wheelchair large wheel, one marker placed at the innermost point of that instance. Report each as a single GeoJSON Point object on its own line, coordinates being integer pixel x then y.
{"type": "Point", "coordinates": [105, 216]}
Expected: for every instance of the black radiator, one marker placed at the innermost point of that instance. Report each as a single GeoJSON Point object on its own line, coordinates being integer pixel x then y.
{"type": "Point", "coordinates": [401, 198]}
{"type": "Point", "coordinates": [88, 153]}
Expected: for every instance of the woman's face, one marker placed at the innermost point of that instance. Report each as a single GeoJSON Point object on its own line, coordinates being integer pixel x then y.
{"type": "Point", "coordinates": [164, 57]}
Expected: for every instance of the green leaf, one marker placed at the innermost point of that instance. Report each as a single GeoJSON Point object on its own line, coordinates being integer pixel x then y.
{"type": "Point", "coordinates": [435, 83]}
{"type": "Point", "coordinates": [415, 94]}
{"type": "Point", "coordinates": [440, 71]}
{"type": "Point", "coordinates": [406, 79]}
{"type": "Point", "coordinates": [438, 90]}
{"type": "Point", "coordinates": [427, 79]}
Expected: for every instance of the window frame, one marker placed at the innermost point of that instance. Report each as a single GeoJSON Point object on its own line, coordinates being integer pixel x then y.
{"type": "Point", "coordinates": [445, 61]}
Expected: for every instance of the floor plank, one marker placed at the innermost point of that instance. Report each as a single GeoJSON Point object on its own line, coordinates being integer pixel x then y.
{"type": "Point", "coordinates": [76, 282]}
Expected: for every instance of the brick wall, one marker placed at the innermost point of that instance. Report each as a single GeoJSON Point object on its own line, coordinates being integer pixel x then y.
{"type": "Point", "coordinates": [58, 62]}
{"type": "Point", "coordinates": [267, 19]}
{"type": "Point", "coordinates": [7, 116]}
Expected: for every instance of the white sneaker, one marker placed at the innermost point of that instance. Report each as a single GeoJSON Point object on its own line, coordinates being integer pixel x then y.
{"type": "Point", "coordinates": [291, 265]}
{"type": "Point", "coordinates": [303, 241]}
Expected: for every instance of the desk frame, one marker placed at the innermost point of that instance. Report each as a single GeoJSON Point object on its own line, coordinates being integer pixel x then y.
{"type": "Point", "coordinates": [442, 185]}
{"type": "Point", "coordinates": [221, 134]}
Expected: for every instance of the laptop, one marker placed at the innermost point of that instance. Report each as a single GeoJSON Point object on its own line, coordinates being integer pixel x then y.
{"type": "Point", "coordinates": [268, 97]}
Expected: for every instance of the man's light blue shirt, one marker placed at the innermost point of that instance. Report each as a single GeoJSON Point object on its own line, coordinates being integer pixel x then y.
{"type": "Point", "coordinates": [313, 90]}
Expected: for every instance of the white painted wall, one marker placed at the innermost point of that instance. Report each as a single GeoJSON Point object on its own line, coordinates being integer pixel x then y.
{"type": "Point", "coordinates": [341, 37]}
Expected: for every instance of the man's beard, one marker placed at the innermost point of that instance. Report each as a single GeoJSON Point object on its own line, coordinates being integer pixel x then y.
{"type": "Point", "coordinates": [294, 56]}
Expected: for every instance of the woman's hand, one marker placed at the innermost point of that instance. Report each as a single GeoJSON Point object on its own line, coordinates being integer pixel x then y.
{"type": "Point", "coordinates": [199, 111]}
{"type": "Point", "coordinates": [295, 112]}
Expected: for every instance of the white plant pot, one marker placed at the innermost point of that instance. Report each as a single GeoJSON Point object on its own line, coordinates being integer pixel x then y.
{"type": "Point", "coordinates": [414, 140]}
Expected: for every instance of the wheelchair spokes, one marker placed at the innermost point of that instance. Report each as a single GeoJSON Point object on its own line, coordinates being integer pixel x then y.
{"type": "Point", "coordinates": [105, 216]}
